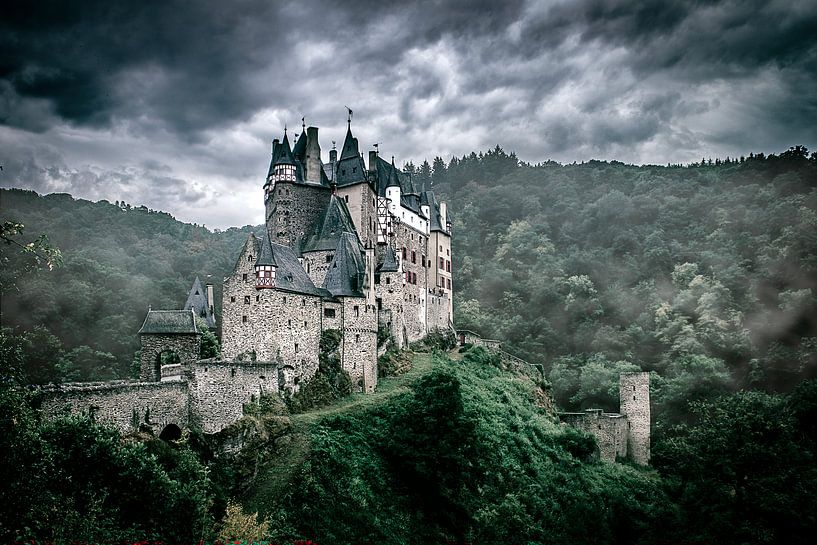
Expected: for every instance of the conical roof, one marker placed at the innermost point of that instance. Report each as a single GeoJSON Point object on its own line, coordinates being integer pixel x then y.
{"type": "Point", "coordinates": [285, 153]}
{"type": "Point", "coordinates": [389, 261]}
{"type": "Point", "coordinates": [265, 254]}
{"type": "Point", "coordinates": [347, 273]}
{"type": "Point", "coordinates": [197, 302]}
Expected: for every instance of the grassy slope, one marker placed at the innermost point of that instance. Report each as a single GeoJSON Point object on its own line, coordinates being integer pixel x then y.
{"type": "Point", "coordinates": [393, 467]}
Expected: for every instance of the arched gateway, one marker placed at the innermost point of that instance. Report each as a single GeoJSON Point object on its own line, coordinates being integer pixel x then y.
{"type": "Point", "coordinates": [168, 331]}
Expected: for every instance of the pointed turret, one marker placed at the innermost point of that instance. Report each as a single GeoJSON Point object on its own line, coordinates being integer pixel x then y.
{"type": "Point", "coordinates": [350, 149]}
{"type": "Point", "coordinates": [350, 168]}
{"type": "Point", "coordinates": [265, 265]}
{"type": "Point", "coordinates": [394, 181]}
{"type": "Point", "coordinates": [284, 166]}
{"type": "Point", "coordinates": [198, 303]}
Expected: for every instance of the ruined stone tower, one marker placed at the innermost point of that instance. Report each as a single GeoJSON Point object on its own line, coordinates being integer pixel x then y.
{"type": "Point", "coordinates": [634, 399]}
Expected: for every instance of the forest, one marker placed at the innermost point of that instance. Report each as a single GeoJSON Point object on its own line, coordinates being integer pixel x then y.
{"type": "Point", "coordinates": [703, 274]}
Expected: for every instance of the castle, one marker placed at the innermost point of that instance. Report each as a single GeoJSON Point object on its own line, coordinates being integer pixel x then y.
{"type": "Point", "coordinates": [346, 246]}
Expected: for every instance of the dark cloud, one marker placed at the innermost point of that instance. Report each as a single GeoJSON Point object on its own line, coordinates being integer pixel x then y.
{"type": "Point", "coordinates": [194, 91]}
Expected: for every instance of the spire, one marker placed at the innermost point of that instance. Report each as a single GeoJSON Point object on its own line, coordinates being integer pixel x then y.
{"type": "Point", "coordinates": [349, 146]}
{"type": "Point", "coordinates": [285, 153]}
{"type": "Point", "coordinates": [393, 180]}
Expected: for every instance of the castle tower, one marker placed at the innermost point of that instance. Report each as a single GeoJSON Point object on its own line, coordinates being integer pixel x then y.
{"type": "Point", "coordinates": [634, 399]}
{"type": "Point", "coordinates": [293, 204]}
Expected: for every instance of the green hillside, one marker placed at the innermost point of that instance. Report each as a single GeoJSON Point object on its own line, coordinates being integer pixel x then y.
{"type": "Point", "coordinates": [118, 260]}
{"type": "Point", "coordinates": [456, 450]}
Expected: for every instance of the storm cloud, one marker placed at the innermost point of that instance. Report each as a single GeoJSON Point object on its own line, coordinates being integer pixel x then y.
{"type": "Point", "coordinates": [173, 104]}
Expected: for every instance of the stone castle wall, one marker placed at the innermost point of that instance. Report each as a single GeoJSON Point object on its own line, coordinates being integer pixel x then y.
{"type": "Point", "coordinates": [359, 345]}
{"type": "Point", "coordinates": [219, 390]}
{"type": "Point", "coordinates": [274, 325]}
{"type": "Point", "coordinates": [123, 404]}
{"type": "Point", "coordinates": [411, 317]}
{"type": "Point", "coordinates": [294, 209]}
{"type": "Point", "coordinates": [438, 311]}
{"type": "Point", "coordinates": [610, 431]}
{"type": "Point", "coordinates": [317, 265]}
{"type": "Point", "coordinates": [361, 201]}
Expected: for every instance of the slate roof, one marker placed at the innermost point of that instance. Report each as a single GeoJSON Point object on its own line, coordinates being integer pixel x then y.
{"type": "Point", "coordinates": [350, 148]}
{"type": "Point", "coordinates": [385, 174]}
{"type": "Point", "coordinates": [435, 223]}
{"type": "Point", "coordinates": [350, 167]}
{"type": "Point", "coordinates": [336, 220]}
{"type": "Point", "coordinates": [276, 152]}
{"type": "Point", "coordinates": [285, 153]}
{"type": "Point", "coordinates": [197, 302]}
{"type": "Point", "coordinates": [170, 322]}
{"type": "Point", "coordinates": [389, 261]}
{"type": "Point", "coordinates": [299, 151]}
{"type": "Point", "coordinates": [347, 272]}
{"type": "Point", "coordinates": [411, 202]}
{"type": "Point", "coordinates": [289, 274]}
{"type": "Point", "coordinates": [265, 256]}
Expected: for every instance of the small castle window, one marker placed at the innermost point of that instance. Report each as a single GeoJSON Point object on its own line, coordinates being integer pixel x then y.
{"type": "Point", "coordinates": [244, 277]}
{"type": "Point", "coordinates": [285, 299]}
{"type": "Point", "coordinates": [249, 257]}
{"type": "Point", "coordinates": [257, 298]}
{"type": "Point", "coordinates": [246, 299]}
{"type": "Point", "coordinates": [306, 324]}
{"type": "Point", "coordinates": [329, 313]}
{"type": "Point", "coordinates": [296, 348]}
{"type": "Point", "coordinates": [388, 280]}
{"type": "Point", "coordinates": [303, 302]}
{"type": "Point", "coordinates": [357, 338]}
{"type": "Point", "coordinates": [633, 398]}
{"type": "Point", "coordinates": [232, 372]}
{"type": "Point", "coordinates": [289, 323]}
{"type": "Point", "coordinates": [413, 256]}
{"type": "Point", "coordinates": [357, 311]}
{"type": "Point", "coordinates": [633, 387]}
{"type": "Point", "coordinates": [346, 198]}
{"type": "Point", "coordinates": [354, 169]}
{"type": "Point", "coordinates": [232, 299]}
{"type": "Point", "coordinates": [244, 319]}
{"type": "Point", "coordinates": [329, 258]}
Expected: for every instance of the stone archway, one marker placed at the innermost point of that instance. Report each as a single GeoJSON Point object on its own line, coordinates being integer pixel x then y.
{"type": "Point", "coordinates": [171, 432]}
{"type": "Point", "coordinates": [168, 331]}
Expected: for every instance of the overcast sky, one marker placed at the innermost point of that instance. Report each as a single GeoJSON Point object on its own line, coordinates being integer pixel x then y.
{"type": "Point", "coordinates": [174, 104]}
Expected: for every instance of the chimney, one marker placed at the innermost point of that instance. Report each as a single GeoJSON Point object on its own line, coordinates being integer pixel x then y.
{"type": "Point", "coordinates": [443, 213]}
{"type": "Point", "coordinates": [313, 156]}
{"type": "Point", "coordinates": [210, 299]}
{"type": "Point", "coordinates": [372, 161]}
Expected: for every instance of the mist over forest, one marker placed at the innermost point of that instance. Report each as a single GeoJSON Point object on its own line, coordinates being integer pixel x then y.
{"type": "Point", "coordinates": [704, 274]}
